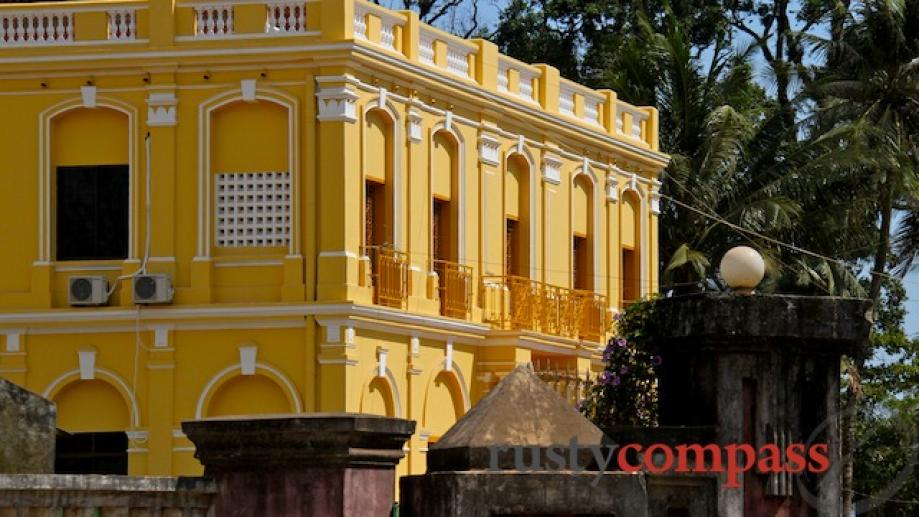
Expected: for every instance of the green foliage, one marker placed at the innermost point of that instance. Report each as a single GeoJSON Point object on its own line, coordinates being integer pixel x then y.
{"type": "Point", "coordinates": [625, 392]}
{"type": "Point", "coordinates": [887, 430]}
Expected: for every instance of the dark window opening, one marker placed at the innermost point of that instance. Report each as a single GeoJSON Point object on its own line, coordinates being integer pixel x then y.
{"type": "Point", "coordinates": [375, 214]}
{"type": "Point", "coordinates": [440, 225]}
{"type": "Point", "coordinates": [580, 264]}
{"type": "Point", "coordinates": [92, 212]}
{"type": "Point", "coordinates": [512, 248]}
{"type": "Point", "coordinates": [630, 277]}
{"type": "Point", "coordinates": [91, 453]}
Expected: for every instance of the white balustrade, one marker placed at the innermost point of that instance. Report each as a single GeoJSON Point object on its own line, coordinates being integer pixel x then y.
{"type": "Point", "coordinates": [388, 35]}
{"type": "Point", "coordinates": [458, 51]}
{"type": "Point", "coordinates": [35, 28]}
{"type": "Point", "coordinates": [388, 24]}
{"type": "Point", "coordinates": [213, 20]}
{"type": "Point", "coordinates": [566, 100]}
{"type": "Point", "coordinates": [360, 23]}
{"type": "Point", "coordinates": [426, 52]}
{"type": "Point", "coordinates": [503, 80]}
{"type": "Point", "coordinates": [526, 75]}
{"type": "Point", "coordinates": [122, 25]}
{"type": "Point", "coordinates": [458, 61]}
{"type": "Point", "coordinates": [639, 116]}
{"type": "Point", "coordinates": [592, 110]}
{"type": "Point", "coordinates": [525, 90]}
{"type": "Point", "coordinates": [285, 17]}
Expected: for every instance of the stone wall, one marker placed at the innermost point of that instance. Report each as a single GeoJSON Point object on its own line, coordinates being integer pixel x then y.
{"type": "Point", "coordinates": [69, 494]}
{"type": "Point", "coordinates": [27, 431]}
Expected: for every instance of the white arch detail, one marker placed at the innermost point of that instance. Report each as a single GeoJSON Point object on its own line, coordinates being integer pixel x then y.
{"type": "Point", "coordinates": [387, 107]}
{"type": "Point", "coordinates": [205, 109]}
{"type": "Point", "coordinates": [596, 190]}
{"type": "Point", "coordinates": [393, 391]}
{"type": "Point", "coordinates": [110, 376]}
{"type": "Point", "coordinates": [44, 166]}
{"type": "Point", "coordinates": [231, 370]}
{"type": "Point", "coordinates": [458, 372]}
{"type": "Point", "coordinates": [461, 185]}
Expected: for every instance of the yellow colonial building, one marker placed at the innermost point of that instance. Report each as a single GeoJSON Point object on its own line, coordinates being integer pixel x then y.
{"type": "Point", "coordinates": [250, 206]}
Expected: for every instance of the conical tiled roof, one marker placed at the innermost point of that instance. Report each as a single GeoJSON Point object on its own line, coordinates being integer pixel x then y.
{"type": "Point", "coordinates": [522, 410]}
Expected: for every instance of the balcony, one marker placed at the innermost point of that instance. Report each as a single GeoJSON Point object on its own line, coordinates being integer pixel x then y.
{"type": "Point", "coordinates": [455, 284]}
{"type": "Point", "coordinates": [388, 275]}
{"type": "Point", "coordinates": [517, 303]}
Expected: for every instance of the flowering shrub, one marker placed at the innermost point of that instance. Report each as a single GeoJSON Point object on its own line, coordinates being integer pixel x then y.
{"type": "Point", "coordinates": [625, 393]}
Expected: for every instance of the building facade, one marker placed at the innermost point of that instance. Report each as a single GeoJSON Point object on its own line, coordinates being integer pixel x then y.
{"type": "Point", "coordinates": [343, 209]}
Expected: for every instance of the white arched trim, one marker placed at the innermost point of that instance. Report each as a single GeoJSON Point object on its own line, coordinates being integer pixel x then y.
{"type": "Point", "coordinates": [596, 190]}
{"type": "Point", "coordinates": [450, 128]}
{"type": "Point", "coordinates": [205, 109]}
{"type": "Point", "coordinates": [45, 180]}
{"type": "Point", "coordinates": [232, 371]}
{"type": "Point", "coordinates": [518, 149]}
{"type": "Point", "coordinates": [393, 391]}
{"type": "Point", "coordinates": [644, 251]}
{"type": "Point", "coordinates": [460, 379]}
{"type": "Point", "coordinates": [103, 374]}
{"type": "Point", "coordinates": [381, 104]}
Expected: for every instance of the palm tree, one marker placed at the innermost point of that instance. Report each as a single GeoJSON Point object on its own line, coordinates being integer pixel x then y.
{"type": "Point", "coordinates": [738, 174]}
{"type": "Point", "coordinates": [870, 90]}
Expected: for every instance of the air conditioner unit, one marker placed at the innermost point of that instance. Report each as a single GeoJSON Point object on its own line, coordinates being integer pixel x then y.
{"type": "Point", "coordinates": [87, 290]}
{"type": "Point", "coordinates": [150, 289]}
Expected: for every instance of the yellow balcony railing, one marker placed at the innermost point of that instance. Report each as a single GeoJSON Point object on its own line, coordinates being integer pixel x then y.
{"type": "Point", "coordinates": [517, 303]}
{"type": "Point", "coordinates": [389, 275]}
{"type": "Point", "coordinates": [455, 282]}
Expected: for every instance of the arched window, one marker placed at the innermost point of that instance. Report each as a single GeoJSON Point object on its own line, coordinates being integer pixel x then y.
{"type": "Point", "coordinates": [444, 189]}
{"type": "Point", "coordinates": [250, 161]}
{"type": "Point", "coordinates": [630, 236]}
{"type": "Point", "coordinates": [516, 217]}
{"type": "Point", "coordinates": [91, 173]}
{"type": "Point", "coordinates": [378, 180]}
{"type": "Point", "coordinates": [93, 418]}
{"type": "Point", "coordinates": [582, 247]}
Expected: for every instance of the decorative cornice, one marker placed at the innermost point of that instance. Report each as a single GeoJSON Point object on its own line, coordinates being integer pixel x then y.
{"type": "Point", "coordinates": [489, 149]}
{"type": "Point", "coordinates": [337, 104]}
{"type": "Point", "coordinates": [161, 109]}
{"type": "Point", "coordinates": [552, 168]}
{"type": "Point", "coordinates": [414, 125]}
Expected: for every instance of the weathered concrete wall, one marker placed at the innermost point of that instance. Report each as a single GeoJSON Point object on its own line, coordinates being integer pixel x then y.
{"type": "Point", "coordinates": [71, 494]}
{"type": "Point", "coordinates": [27, 431]}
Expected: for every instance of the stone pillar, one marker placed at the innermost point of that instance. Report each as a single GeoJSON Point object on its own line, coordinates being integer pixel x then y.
{"type": "Point", "coordinates": [761, 370]}
{"type": "Point", "coordinates": [330, 464]}
{"type": "Point", "coordinates": [26, 431]}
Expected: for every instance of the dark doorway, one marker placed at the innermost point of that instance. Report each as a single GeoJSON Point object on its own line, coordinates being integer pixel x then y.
{"type": "Point", "coordinates": [91, 453]}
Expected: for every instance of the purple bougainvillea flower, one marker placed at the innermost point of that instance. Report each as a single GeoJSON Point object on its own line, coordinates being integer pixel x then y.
{"type": "Point", "coordinates": [622, 342]}
{"type": "Point", "coordinates": [615, 381]}
{"type": "Point", "coordinates": [617, 316]}
{"type": "Point", "coordinates": [656, 360]}
{"type": "Point", "coordinates": [624, 370]}
{"type": "Point", "coordinates": [605, 377]}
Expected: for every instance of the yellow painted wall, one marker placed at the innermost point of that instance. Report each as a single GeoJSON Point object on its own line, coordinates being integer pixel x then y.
{"type": "Point", "coordinates": [443, 164]}
{"type": "Point", "coordinates": [85, 136]}
{"type": "Point", "coordinates": [248, 395]}
{"type": "Point", "coordinates": [92, 405]}
{"type": "Point", "coordinates": [249, 137]}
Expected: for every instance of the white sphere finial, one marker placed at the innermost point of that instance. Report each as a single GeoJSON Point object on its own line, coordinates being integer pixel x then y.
{"type": "Point", "coordinates": [743, 268]}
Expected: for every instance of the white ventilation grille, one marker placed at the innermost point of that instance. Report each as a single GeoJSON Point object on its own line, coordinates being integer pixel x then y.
{"type": "Point", "coordinates": [252, 209]}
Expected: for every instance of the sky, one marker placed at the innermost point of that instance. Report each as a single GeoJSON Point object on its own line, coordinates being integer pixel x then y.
{"type": "Point", "coordinates": [489, 10]}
